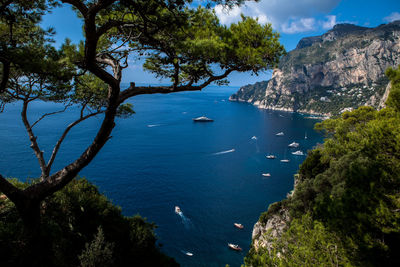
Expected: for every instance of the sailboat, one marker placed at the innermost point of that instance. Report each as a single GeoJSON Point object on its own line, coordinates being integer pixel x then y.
{"type": "Point", "coordinates": [305, 135]}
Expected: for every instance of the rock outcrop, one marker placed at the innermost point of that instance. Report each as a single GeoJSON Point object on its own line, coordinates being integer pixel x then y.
{"type": "Point", "coordinates": [264, 233]}
{"type": "Point", "coordinates": [341, 69]}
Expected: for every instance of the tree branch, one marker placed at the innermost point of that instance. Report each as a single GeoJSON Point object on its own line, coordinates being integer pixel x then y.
{"type": "Point", "coordinates": [5, 75]}
{"type": "Point", "coordinates": [143, 90]}
{"type": "Point", "coordinates": [49, 114]}
{"type": "Point", "coordinates": [8, 189]}
{"type": "Point", "coordinates": [109, 25]}
{"type": "Point", "coordinates": [58, 144]}
{"type": "Point", "coordinates": [61, 178]}
{"type": "Point", "coordinates": [78, 4]}
{"type": "Point", "coordinates": [32, 138]}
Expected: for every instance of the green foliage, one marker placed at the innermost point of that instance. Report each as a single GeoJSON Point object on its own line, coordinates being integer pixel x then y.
{"type": "Point", "coordinates": [125, 110]}
{"type": "Point", "coordinates": [394, 96]}
{"type": "Point", "coordinates": [70, 220]}
{"type": "Point", "coordinates": [347, 195]}
{"type": "Point", "coordinates": [201, 41]}
{"type": "Point", "coordinates": [98, 253]}
{"type": "Point", "coordinates": [91, 91]}
{"type": "Point", "coordinates": [273, 209]}
{"type": "Point", "coordinates": [306, 242]}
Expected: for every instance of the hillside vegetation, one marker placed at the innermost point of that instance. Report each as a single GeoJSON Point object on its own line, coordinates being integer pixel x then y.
{"type": "Point", "coordinates": [345, 209]}
{"type": "Point", "coordinates": [80, 227]}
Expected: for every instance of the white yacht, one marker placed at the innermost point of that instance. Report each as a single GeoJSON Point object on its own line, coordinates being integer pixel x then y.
{"type": "Point", "coordinates": [294, 144]}
{"type": "Point", "coordinates": [266, 174]}
{"type": "Point", "coordinates": [202, 119]}
{"type": "Point", "coordinates": [285, 160]}
{"type": "Point", "coordinates": [298, 153]}
{"type": "Point", "coordinates": [270, 156]}
{"type": "Point", "coordinates": [280, 134]}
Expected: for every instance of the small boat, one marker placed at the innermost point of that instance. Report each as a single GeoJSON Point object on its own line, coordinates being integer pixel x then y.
{"type": "Point", "coordinates": [177, 210]}
{"type": "Point", "coordinates": [294, 144]}
{"type": "Point", "coordinates": [254, 138]}
{"type": "Point", "coordinates": [234, 247]}
{"type": "Point", "coordinates": [285, 160]}
{"type": "Point", "coordinates": [305, 135]}
{"type": "Point", "coordinates": [270, 156]}
{"type": "Point", "coordinates": [298, 153]}
{"type": "Point", "coordinates": [203, 119]}
{"type": "Point", "coordinates": [190, 254]}
{"type": "Point", "coordinates": [280, 134]}
{"type": "Point", "coordinates": [266, 174]}
{"type": "Point", "coordinates": [238, 225]}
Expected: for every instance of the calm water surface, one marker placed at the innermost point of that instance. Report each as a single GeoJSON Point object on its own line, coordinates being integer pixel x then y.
{"type": "Point", "coordinates": [160, 158]}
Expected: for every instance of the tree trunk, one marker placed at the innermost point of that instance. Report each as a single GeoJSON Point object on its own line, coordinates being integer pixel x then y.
{"type": "Point", "coordinates": [37, 248]}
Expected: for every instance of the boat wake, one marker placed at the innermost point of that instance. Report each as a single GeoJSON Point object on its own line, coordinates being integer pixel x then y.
{"type": "Point", "coordinates": [255, 141]}
{"type": "Point", "coordinates": [153, 125]}
{"type": "Point", "coordinates": [185, 220]}
{"type": "Point", "coordinates": [224, 152]}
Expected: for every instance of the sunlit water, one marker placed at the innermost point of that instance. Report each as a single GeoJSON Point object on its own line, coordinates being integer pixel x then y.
{"type": "Point", "coordinates": [159, 158]}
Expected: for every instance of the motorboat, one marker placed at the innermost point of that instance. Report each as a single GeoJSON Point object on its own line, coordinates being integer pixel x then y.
{"type": "Point", "coordinates": [254, 138]}
{"type": "Point", "coordinates": [190, 254]}
{"type": "Point", "coordinates": [234, 247]}
{"type": "Point", "coordinates": [177, 210]}
{"type": "Point", "coordinates": [238, 225]}
{"type": "Point", "coordinates": [285, 160]}
{"type": "Point", "coordinates": [266, 174]}
{"type": "Point", "coordinates": [203, 119]}
{"type": "Point", "coordinates": [270, 156]}
{"type": "Point", "coordinates": [280, 134]}
{"type": "Point", "coordinates": [294, 144]}
{"type": "Point", "coordinates": [298, 153]}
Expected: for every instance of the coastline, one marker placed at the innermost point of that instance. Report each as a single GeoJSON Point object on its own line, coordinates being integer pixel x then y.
{"type": "Point", "coordinates": [312, 114]}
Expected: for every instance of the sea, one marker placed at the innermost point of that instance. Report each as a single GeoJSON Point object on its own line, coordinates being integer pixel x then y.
{"type": "Point", "coordinates": [159, 158]}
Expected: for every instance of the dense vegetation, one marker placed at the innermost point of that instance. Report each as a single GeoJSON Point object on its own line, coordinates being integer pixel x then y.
{"type": "Point", "coordinates": [80, 227]}
{"type": "Point", "coordinates": [345, 209]}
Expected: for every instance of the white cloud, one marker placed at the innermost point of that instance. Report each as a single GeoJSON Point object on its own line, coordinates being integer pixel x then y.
{"type": "Point", "coordinates": [289, 15]}
{"type": "Point", "coordinates": [299, 25]}
{"type": "Point", "coordinates": [329, 23]}
{"type": "Point", "coordinates": [226, 15]}
{"type": "Point", "coordinates": [392, 17]}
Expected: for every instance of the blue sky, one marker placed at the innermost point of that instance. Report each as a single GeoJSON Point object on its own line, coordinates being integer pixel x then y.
{"type": "Point", "coordinates": [294, 19]}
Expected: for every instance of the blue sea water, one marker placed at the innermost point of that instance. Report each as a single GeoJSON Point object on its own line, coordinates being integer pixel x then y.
{"type": "Point", "coordinates": [159, 158]}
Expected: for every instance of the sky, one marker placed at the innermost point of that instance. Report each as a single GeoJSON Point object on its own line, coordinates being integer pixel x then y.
{"type": "Point", "coordinates": [293, 19]}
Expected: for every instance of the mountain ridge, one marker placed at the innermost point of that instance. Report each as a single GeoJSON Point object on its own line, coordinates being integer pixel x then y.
{"type": "Point", "coordinates": [339, 70]}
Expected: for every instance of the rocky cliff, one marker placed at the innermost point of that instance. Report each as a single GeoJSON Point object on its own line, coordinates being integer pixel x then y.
{"type": "Point", "coordinates": [339, 70]}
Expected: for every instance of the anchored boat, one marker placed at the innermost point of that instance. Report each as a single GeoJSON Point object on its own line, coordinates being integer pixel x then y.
{"type": "Point", "coordinates": [294, 144]}
{"type": "Point", "coordinates": [203, 119]}
{"type": "Point", "coordinates": [238, 225]}
{"type": "Point", "coordinates": [234, 247]}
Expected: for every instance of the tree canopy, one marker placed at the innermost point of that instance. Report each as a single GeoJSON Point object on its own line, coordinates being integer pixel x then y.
{"type": "Point", "coordinates": [185, 45]}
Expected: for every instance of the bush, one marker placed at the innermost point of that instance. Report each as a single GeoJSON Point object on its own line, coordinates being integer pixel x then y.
{"type": "Point", "coordinates": [69, 220]}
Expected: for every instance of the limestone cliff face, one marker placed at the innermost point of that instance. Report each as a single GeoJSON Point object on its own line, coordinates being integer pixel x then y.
{"type": "Point", "coordinates": [342, 69]}
{"type": "Point", "coordinates": [264, 233]}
